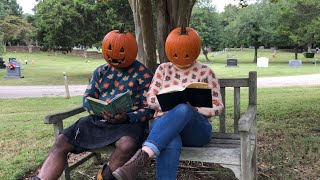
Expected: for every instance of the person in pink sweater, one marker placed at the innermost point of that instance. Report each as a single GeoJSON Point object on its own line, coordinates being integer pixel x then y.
{"type": "Point", "coordinates": [184, 125]}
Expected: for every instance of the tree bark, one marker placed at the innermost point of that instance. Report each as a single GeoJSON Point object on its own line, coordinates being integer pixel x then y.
{"type": "Point", "coordinates": [162, 29]}
{"type": "Point", "coordinates": [205, 53]}
{"type": "Point", "coordinates": [255, 54]}
{"type": "Point", "coordinates": [138, 30]}
{"type": "Point", "coordinates": [309, 47]}
{"type": "Point", "coordinates": [170, 14]}
{"type": "Point", "coordinates": [146, 22]}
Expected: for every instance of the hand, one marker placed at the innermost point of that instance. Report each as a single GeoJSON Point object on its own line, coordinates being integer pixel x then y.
{"type": "Point", "coordinates": [115, 119]}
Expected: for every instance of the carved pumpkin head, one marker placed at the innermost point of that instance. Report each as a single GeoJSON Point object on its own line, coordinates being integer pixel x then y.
{"type": "Point", "coordinates": [119, 48]}
{"type": "Point", "coordinates": [183, 46]}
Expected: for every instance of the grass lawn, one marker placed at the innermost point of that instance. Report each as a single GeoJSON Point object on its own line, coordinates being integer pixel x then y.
{"type": "Point", "coordinates": [48, 70]}
{"type": "Point", "coordinates": [288, 139]}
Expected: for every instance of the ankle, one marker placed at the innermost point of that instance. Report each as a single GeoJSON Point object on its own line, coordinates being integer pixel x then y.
{"type": "Point", "coordinates": [148, 151]}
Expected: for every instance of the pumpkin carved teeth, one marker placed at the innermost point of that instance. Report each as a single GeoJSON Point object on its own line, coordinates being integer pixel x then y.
{"type": "Point", "coordinates": [116, 61]}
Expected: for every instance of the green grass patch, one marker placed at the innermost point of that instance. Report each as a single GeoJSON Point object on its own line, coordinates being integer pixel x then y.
{"type": "Point", "coordinates": [48, 70]}
{"type": "Point", "coordinates": [288, 139]}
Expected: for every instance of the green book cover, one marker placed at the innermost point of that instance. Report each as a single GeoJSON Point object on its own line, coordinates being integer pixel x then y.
{"type": "Point", "coordinates": [121, 103]}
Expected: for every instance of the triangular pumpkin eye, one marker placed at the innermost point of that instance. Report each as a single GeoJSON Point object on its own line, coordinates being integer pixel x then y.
{"type": "Point", "coordinates": [175, 55]}
{"type": "Point", "coordinates": [122, 49]}
{"type": "Point", "coordinates": [109, 47]}
{"type": "Point", "coordinates": [187, 56]}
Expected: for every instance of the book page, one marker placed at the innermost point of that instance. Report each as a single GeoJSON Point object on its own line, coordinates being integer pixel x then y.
{"type": "Point", "coordinates": [198, 85]}
{"type": "Point", "coordinates": [171, 89]}
{"type": "Point", "coordinates": [96, 100]}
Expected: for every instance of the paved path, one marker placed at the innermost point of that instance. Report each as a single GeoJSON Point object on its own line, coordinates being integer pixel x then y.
{"type": "Point", "coordinates": [75, 90]}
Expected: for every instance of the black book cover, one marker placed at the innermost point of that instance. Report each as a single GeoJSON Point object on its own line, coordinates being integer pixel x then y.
{"type": "Point", "coordinates": [195, 96]}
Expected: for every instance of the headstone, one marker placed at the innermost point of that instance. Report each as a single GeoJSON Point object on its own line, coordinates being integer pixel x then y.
{"type": "Point", "coordinates": [262, 62]}
{"type": "Point", "coordinates": [232, 63]}
{"type": "Point", "coordinates": [2, 63]}
{"type": "Point", "coordinates": [16, 71]}
{"type": "Point", "coordinates": [261, 47]}
{"type": "Point", "coordinates": [295, 63]}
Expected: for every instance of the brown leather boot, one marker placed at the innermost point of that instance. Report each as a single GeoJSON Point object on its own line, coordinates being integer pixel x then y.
{"type": "Point", "coordinates": [130, 169]}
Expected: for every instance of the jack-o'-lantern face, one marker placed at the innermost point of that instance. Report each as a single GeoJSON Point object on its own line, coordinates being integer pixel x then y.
{"type": "Point", "coordinates": [119, 48]}
{"type": "Point", "coordinates": [183, 46]}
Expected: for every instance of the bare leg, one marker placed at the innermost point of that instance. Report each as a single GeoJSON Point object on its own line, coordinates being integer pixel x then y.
{"type": "Point", "coordinates": [126, 146]}
{"type": "Point", "coordinates": [56, 161]}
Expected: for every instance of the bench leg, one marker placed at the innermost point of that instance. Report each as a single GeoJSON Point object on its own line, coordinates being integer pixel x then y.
{"type": "Point", "coordinates": [97, 160]}
{"type": "Point", "coordinates": [66, 174]}
{"type": "Point", "coordinates": [255, 164]}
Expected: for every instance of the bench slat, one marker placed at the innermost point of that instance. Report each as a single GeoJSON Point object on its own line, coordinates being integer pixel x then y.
{"type": "Point", "coordinates": [222, 117]}
{"type": "Point", "coordinates": [234, 82]}
{"type": "Point", "coordinates": [236, 106]}
{"type": "Point", "coordinates": [211, 155]}
{"type": "Point", "coordinates": [225, 135]}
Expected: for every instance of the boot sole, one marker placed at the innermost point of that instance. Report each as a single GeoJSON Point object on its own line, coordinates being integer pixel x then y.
{"type": "Point", "coordinates": [117, 175]}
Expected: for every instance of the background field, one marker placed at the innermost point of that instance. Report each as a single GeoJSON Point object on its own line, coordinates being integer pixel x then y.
{"type": "Point", "coordinates": [48, 70]}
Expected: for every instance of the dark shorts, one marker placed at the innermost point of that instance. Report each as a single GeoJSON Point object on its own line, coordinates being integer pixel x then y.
{"type": "Point", "coordinates": [90, 132]}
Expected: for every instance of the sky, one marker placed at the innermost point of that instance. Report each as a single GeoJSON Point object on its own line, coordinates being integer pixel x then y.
{"type": "Point", "coordinates": [27, 5]}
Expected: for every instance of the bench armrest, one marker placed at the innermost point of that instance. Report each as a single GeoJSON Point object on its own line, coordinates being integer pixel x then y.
{"type": "Point", "coordinates": [54, 118]}
{"type": "Point", "coordinates": [247, 119]}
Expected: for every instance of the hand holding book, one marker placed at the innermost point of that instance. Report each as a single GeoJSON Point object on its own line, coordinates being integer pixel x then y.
{"type": "Point", "coordinates": [119, 104]}
{"type": "Point", "coordinates": [196, 94]}
{"type": "Point", "coordinates": [115, 119]}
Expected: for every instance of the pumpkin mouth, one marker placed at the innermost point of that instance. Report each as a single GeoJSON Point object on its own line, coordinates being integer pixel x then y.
{"type": "Point", "coordinates": [116, 61]}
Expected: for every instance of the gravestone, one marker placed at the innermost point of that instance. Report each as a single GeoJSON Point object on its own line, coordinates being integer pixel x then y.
{"type": "Point", "coordinates": [232, 63]}
{"type": "Point", "coordinates": [295, 63]}
{"type": "Point", "coordinates": [16, 71]}
{"type": "Point", "coordinates": [2, 65]}
{"type": "Point", "coordinates": [262, 62]}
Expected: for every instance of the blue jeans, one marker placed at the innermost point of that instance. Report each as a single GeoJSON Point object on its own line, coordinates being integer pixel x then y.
{"type": "Point", "coordinates": [181, 126]}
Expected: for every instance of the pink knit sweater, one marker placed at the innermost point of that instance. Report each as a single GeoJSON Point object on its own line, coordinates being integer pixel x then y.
{"type": "Point", "coordinates": [167, 75]}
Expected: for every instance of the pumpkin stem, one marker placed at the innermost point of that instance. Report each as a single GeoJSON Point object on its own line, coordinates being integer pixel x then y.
{"type": "Point", "coordinates": [122, 28]}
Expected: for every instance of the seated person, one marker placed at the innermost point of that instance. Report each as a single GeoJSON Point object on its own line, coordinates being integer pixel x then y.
{"type": "Point", "coordinates": [125, 130]}
{"type": "Point", "coordinates": [184, 125]}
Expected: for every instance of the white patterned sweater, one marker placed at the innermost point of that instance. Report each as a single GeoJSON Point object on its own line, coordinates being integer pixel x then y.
{"type": "Point", "coordinates": [168, 75]}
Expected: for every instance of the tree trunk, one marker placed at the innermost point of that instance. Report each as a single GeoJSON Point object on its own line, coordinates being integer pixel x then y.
{"type": "Point", "coordinates": [5, 47]}
{"type": "Point", "coordinates": [205, 53]}
{"type": "Point", "coordinates": [309, 47]}
{"type": "Point", "coordinates": [162, 29]}
{"type": "Point", "coordinates": [171, 14]}
{"type": "Point", "coordinates": [138, 30]}
{"type": "Point", "coordinates": [295, 53]}
{"type": "Point", "coordinates": [255, 54]}
{"type": "Point", "coordinates": [146, 22]}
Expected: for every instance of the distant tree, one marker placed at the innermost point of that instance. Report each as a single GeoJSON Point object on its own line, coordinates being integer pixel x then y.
{"type": "Point", "coordinates": [205, 20]}
{"type": "Point", "coordinates": [10, 7]}
{"type": "Point", "coordinates": [64, 24]}
{"type": "Point", "coordinates": [57, 24]}
{"type": "Point", "coordinates": [246, 29]}
{"type": "Point", "coordinates": [1, 47]}
{"type": "Point", "coordinates": [229, 14]}
{"type": "Point", "coordinates": [298, 21]}
{"type": "Point", "coordinates": [13, 26]}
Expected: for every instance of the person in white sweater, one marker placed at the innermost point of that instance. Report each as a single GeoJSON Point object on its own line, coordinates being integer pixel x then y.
{"type": "Point", "coordinates": [184, 125]}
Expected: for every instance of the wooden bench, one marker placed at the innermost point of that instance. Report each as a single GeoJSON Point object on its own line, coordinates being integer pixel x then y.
{"type": "Point", "coordinates": [236, 150]}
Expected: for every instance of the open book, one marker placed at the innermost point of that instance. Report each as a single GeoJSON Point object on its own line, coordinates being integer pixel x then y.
{"type": "Point", "coordinates": [198, 94]}
{"type": "Point", "coordinates": [121, 103]}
